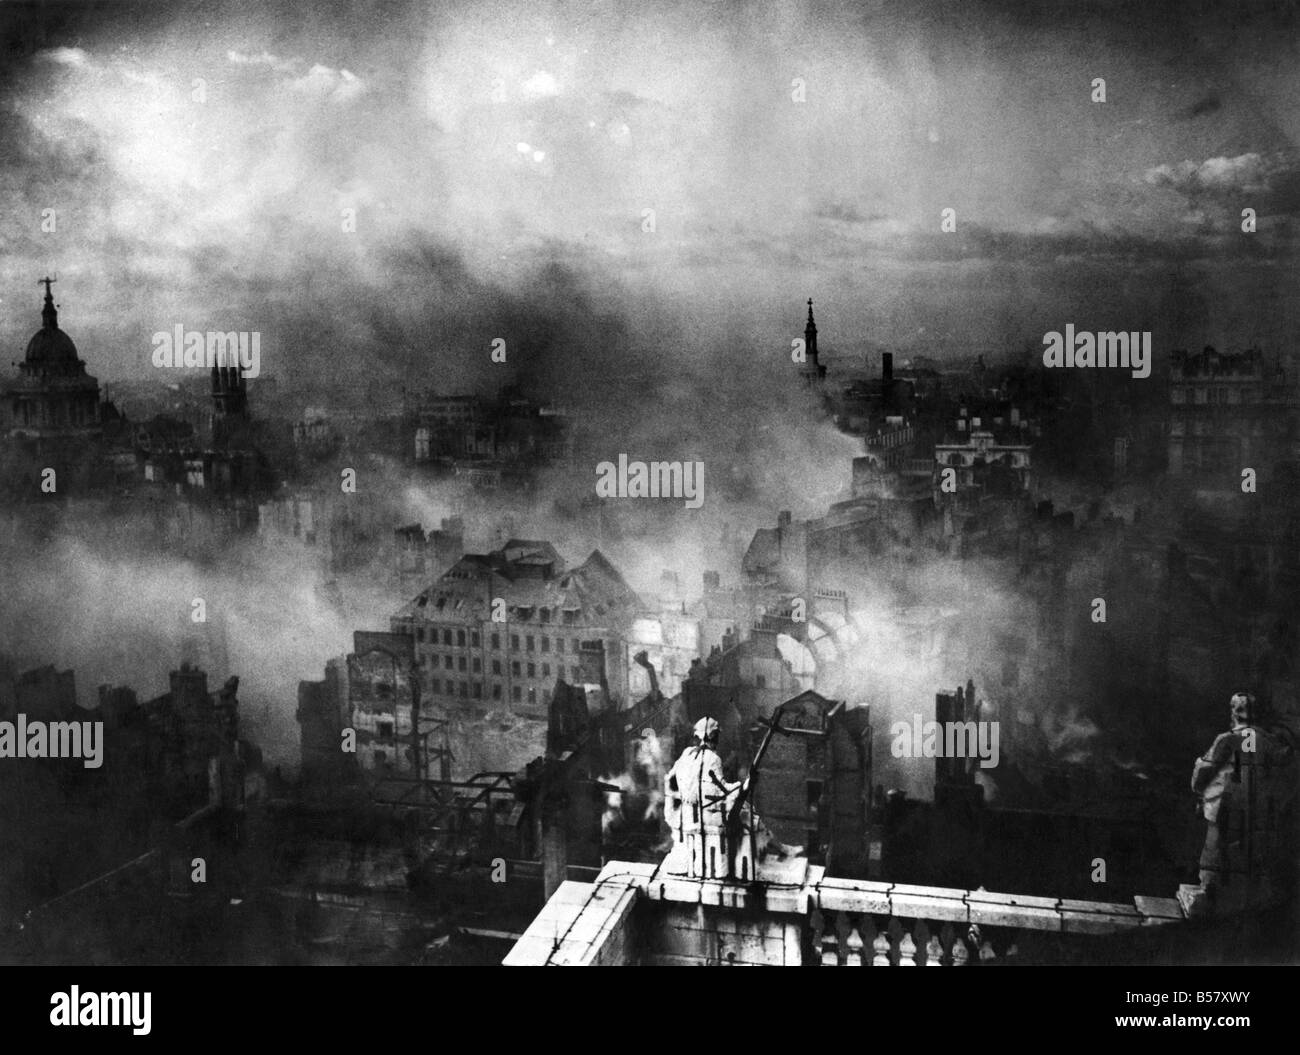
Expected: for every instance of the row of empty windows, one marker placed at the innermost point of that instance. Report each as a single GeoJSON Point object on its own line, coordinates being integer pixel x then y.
{"type": "Point", "coordinates": [1216, 394]}
{"type": "Point", "coordinates": [475, 665]}
{"type": "Point", "coordinates": [447, 637]}
{"type": "Point", "coordinates": [474, 690]}
{"type": "Point", "coordinates": [569, 615]}
{"type": "Point", "coordinates": [458, 638]}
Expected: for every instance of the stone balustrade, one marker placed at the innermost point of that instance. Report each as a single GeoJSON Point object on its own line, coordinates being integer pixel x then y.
{"type": "Point", "coordinates": [639, 913]}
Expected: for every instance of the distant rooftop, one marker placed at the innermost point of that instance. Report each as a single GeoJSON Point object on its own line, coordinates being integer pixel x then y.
{"type": "Point", "coordinates": [531, 577]}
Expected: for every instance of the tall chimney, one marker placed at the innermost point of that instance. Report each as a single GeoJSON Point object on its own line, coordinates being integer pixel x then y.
{"type": "Point", "coordinates": [887, 367]}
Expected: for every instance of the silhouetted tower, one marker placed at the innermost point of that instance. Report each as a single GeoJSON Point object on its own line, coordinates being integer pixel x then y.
{"type": "Point", "coordinates": [810, 334]}
{"type": "Point", "coordinates": [229, 392]}
{"type": "Point", "coordinates": [229, 402]}
{"type": "Point", "coordinates": [813, 371]}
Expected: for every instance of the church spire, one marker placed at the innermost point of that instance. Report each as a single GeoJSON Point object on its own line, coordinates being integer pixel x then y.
{"type": "Point", "coordinates": [49, 314]}
{"type": "Point", "coordinates": [810, 334]}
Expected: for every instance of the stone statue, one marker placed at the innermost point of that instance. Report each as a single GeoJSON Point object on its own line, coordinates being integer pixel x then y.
{"type": "Point", "coordinates": [1246, 781]}
{"type": "Point", "coordinates": [697, 798]}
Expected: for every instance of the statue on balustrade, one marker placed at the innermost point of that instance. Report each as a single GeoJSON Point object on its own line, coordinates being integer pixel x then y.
{"type": "Point", "coordinates": [696, 802]}
{"type": "Point", "coordinates": [1247, 784]}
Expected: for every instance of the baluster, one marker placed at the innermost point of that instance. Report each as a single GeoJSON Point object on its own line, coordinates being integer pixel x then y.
{"type": "Point", "coordinates": [960, 952]}
{"type": "Point", "coordinates": [842, 927]}
{"type": "Point", "coordinates": [906, 950]}
{"type": "Point", "coordinates": [880, 946]}
{"type": "Point", "coordinates": [854, 946]}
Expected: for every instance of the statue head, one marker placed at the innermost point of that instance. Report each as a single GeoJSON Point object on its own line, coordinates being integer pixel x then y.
{"type": "Point", "coordinates": [706, 732]}
{"type": "Point", "coordinates": [1242, 706]}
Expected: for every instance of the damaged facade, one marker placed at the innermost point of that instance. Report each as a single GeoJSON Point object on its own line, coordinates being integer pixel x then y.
{"type": "Point", "coordinates": [553, 623]}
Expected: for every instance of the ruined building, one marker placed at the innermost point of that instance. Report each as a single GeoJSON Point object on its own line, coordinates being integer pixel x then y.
{"type": "Point", "coordinates": [491, 443]}
{"type": "Point", "coordinates": [177, 781]}
{"type": "Point", "coordinates": [778, 557]}
{"type": "Point", "coordinates": [372, 693]}
{"type": "Point", "coordinates": [671, 637]}
{"type": "Point", "coordinates": [220, 465]}
{"type": "Point", "coordinates": [496, 630]}
{"type": "Point", "coordinates": [815, 788]}
{"type": "Point", "coordinates": [1227, 413]}
{"type": "Point", "coordinates": [186, 742]}
{"type": "Point", "coordinates": [421, 557]}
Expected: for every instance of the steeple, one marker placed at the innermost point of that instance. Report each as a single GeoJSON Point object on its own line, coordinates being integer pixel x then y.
{"type": "Point", "coordinates": [810, 334]}
{"type": "Point", "coordinates": [49, 314]}
{"type": "Point", "coordinates": [813, 372]}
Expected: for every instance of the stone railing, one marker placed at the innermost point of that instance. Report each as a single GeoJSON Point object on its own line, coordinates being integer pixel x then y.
{"type": "Point", "coordinates": [798, 915]}
{"type": "Point", "coordinates": [857, 923]}
{"type": "Point", "coordinates": [863, 941]}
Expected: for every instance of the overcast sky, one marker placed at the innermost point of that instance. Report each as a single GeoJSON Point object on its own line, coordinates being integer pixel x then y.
{"type": "Point", "coordinates": [499, 157]}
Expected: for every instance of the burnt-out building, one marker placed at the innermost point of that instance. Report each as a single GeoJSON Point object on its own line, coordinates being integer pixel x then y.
{"type": "Point", "coordinates": [366, 715]}
{"type": "Point", "coordinates": [421, 556]}
{"type": "Point", "coordinates": [383, 704]}
{"type": "Point", "coordinates": [882, 410]}
{"type": "Point", "coordinates": [562, 801]}
{"type": "Point", "coordinates": [671, 636]}
{"type": "Point", "coordinates": [135, 857]}
{"type": "Point", "coordinates": [736, 684]}
{"type": "Point", "coordinates": [186, 743]}
{"type": "Point", "coordinates": [777, 557]}
{"type": "Point", "coordinates": [322, 716]}
{"type": "Point", "coordinates": [496, 630]}
{"type": "Point", "coordinates": [814, 787]}
{"type": "Point", "coordinates": [1229, 412]}
{"type": "Point", "coordinates": [719, 609]}
{"type": "Point", "coordinates": [490, 443]}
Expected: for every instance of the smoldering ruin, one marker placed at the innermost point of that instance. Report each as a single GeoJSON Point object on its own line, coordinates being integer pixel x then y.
{"type": "Point", "coordinates": [384, 632]}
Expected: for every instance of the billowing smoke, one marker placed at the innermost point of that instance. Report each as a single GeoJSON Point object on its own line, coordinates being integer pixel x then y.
{"type": "Point", "coordinates": [651, 761]}
{"type": "Point", "coordinates": [639, 803]}
{"type": "Point", "coordinates": [637, 207]}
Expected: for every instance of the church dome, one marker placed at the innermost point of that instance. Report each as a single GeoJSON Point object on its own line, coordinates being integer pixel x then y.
{"type": "Point", "coordinates": [50, 345]}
